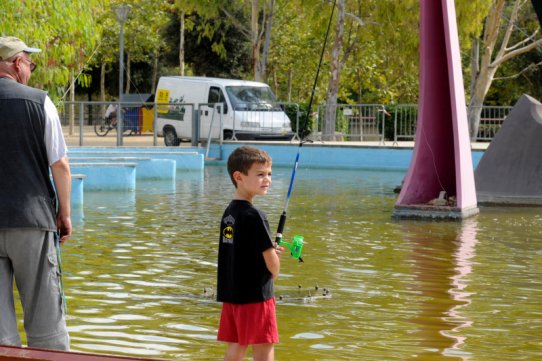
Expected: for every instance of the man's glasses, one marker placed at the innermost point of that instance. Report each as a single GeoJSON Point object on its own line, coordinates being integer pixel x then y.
{"type": "Point", "coordinates": [30, 63]}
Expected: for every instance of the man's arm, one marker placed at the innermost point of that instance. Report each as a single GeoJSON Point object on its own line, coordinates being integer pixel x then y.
{"type": "Point", "coordinates": [63, 184]}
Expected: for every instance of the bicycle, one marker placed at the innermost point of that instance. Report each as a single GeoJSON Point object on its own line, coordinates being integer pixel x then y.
{"type": "Point", "coordinates": [102, 127]}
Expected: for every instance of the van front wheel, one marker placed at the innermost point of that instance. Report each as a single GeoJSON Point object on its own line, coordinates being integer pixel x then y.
{"type": "Point", "coordinates": [228, 135]}
{"type": "Point", "coordinates": [170, 137]}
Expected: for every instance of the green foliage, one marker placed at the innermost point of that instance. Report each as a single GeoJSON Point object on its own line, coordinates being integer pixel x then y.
{"type": "Point", "coordinates": [84, 80]}
{"type": "Point", "coordinates": [224, 55]}
{"type": "Point", "coordinates": [305, 122]}
{"type": "Point", "coordinates": [57, 27]}
{"type": "Point", "coordinates": [379, 61]}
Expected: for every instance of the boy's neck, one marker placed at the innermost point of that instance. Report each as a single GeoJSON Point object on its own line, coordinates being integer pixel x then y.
{"type": "Point", "coordinates": [240, 196]}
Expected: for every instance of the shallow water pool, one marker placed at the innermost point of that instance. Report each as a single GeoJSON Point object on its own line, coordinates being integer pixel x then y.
{"type": "Point", "coordinates": [140, 273]}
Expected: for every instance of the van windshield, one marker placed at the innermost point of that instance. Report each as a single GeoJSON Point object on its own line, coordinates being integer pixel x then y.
{"type": "Point", "coordinates": [245, 97]}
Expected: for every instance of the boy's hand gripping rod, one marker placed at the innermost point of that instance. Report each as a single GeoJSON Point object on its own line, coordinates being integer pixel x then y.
{"type": "Point", "coordinates": [297, 243]}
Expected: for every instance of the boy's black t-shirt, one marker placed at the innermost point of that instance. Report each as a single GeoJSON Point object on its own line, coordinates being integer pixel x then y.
{"type": "Point", "coordinates": [243, 276]}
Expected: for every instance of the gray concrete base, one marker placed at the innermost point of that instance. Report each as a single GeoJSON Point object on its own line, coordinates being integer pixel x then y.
{"type": "Point", "coordinates": [423, 211]}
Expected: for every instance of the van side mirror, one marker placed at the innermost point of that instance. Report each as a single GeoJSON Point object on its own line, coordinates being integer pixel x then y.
{"type": "Point", "coordinates": [225, 107]}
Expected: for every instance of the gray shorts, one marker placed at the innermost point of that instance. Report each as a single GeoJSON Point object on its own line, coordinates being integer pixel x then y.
{"type": "Point", "coordinates": [29, 257]}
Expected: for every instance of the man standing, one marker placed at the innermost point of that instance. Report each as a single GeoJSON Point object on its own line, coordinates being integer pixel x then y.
{"type": "Point", "coordinates": [31, 145]}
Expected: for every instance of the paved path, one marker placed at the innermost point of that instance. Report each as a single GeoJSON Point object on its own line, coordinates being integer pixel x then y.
{"type": "Point", "coordinates": [147, 140]}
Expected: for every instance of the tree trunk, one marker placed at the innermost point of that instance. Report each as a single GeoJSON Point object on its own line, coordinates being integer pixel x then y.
{"type": "Point", "coordinates": [154, 72]}
{"type": "Point", "coordinates": [128, 79]}
{"type": "Point", "coordinates": [181, 46]}
{"type": "Point", "coordinates": [474, 63]}
{"type": "Point", "coordinates": [255, 43]}
{"type": "Point", "coordinates": [490, 60]}
{"type": "Point", "coordinates": [102, 87]}
{"type": "Point", "coordinates": [275, 84]}
{"type": "Point", "coordinates": [333, 87]}
{"type": "Point", "coordinates": [483, 81]}
{"type": "Point", "coordinates": [290, 80]}
{"type": "Point", "coordinates": [267, 39]}
{"type": "Point", "coordinates": [72, 106]}
{"type": "Point", "coordinates": [102, 82]}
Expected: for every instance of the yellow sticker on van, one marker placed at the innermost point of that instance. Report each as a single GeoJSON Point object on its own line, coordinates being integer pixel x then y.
{"type": "Point", "coordinates": [162, 96]}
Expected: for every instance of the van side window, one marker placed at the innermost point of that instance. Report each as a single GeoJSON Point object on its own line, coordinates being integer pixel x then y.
{"type": "Point", "coordinates": [216, 96]}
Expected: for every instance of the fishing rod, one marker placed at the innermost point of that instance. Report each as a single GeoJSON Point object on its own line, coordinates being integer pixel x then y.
{"type": "Point", "coordinates": [297, 242]}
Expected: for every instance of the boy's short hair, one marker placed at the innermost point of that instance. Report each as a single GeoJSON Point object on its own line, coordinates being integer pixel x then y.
{"type": "Point", "coordinates": [242, 158]}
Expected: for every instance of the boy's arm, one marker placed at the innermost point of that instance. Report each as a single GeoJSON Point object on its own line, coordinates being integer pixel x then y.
{"type": "Point", "coordinates": [272, 260]}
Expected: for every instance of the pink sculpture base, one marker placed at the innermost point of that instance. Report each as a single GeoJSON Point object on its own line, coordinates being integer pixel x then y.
{"type": "Point", "coordinates": [441, 160]}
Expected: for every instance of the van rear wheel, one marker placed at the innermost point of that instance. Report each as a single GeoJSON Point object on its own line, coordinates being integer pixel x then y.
{"type": "Point", "coordinates": [170, 137]}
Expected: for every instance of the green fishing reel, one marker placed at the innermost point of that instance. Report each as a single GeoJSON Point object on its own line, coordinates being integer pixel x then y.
{"type": "Point", "coordinates": [295, 247]}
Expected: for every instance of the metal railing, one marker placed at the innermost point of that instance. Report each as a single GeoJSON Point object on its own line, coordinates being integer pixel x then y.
{"type": "Point", "coordinates": [397, 122]}
{"type": "Point", "coordinates": [491, 119]}
{"type": "Point", "coordinates": [84, 116]}
{"type": "Point", "coordinates": [217, 109]}
{"type": "Point", "coordinates": [353, 122]}
{"type": "Point", "coordinates": [405, 117]}
{"type": "Point", "coordinates": [268, 120]}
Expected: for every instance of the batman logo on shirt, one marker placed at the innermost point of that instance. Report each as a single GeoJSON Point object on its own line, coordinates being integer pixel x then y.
{"type": "Point", "coordinates": [228, 232]}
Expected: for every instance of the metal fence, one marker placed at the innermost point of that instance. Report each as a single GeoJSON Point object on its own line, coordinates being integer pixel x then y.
{"type": "Point", "coordinates": [179, 121]}
{"type": "Point", "coordinates": [265, 121]}
{"type": "Point", "coordinates": [353, 122]}
{"type": "Point", "coordinates": [395, 122]}
{"type": "Point", "coordinates": [405, 117]}
{"type": "Point", "coordinates": [85, 119]}
{"type": "Point", "coordinates": [491, 120]}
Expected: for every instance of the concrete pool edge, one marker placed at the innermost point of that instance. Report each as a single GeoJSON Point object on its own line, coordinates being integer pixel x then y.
{"type": "Point", "coordinates": [341, 156]}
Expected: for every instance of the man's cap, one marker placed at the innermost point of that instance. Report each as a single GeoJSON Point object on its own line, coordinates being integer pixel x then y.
{"type": "Point", "coordinates": [10, 45]}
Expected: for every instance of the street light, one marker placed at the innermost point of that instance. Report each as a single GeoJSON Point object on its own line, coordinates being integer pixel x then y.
{"type": "Point", "coordinates": [122, 13]}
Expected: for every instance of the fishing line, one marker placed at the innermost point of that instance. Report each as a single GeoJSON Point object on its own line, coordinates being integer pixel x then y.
{"type": "Point", "coordinates": [62, 98]}
{"type": "Point", "coordinates": [297, 242]}
{"type": "Point", "coordinates": [320, 62]}
{"type": "Point", "coordinates": [60, 275]}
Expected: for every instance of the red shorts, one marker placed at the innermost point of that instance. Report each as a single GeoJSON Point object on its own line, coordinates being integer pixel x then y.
{"type": "Point", "coordinates": [249, 324]}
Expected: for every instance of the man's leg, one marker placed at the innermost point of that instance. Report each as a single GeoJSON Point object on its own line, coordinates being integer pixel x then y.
{"type": "Point", "coordinates": [263, 352]}
{"type": "Point", "coordinates": [37, 276]}
{"type": "Point", "coordinates": [235, 352]}
{"type": "Point", "coordinates": [9, 334]}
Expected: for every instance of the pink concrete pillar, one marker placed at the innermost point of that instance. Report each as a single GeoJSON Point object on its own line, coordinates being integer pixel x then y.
{"type": "Point", "coordinates": [441, 160]}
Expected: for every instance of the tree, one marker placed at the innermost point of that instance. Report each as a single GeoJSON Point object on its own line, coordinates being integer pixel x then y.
{"type": "Point", "coordinates": [143, 36]}
{"type": "Point", "coordinates": [500, 30]}
{"type": "Point", "coordinates": [333, 87]}
{"type": "Point", "coordinates": [203, 56]}
{"type": "Point", "coordinates": [298, 35]}
{"type": "Point", "coordinates": [68, 39]}
{"type": "Point", "coordinates": [257, 33]}
{"type": "Point", "coordinates": [252, 18]}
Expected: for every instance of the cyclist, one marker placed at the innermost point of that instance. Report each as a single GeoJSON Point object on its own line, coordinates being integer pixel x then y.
{"type": "Point", "coordinates": [111, 114]}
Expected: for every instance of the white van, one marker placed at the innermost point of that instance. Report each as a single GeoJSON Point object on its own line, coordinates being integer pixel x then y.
{"type": "Point", "coordinates": [250, 109]}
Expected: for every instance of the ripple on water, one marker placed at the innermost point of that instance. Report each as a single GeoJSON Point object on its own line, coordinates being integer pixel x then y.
{"type": "Point", "coordinates": [308, 336]}
{"type": "Point", "coordinates": [137, 269]}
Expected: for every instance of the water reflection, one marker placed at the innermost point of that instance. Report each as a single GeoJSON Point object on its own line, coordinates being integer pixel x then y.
{"type": "Point", "coordinates": [141, 270]}
{"type": "Point", "coordinates": [77, 215]}
{"type": "Point", "coordinates": [464, 255]}
{"type": "Point", "coordinates": [441, 263]}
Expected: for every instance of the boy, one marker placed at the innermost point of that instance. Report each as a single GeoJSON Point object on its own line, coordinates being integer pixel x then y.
{"type": "Point", "coordinates": [248, 262]}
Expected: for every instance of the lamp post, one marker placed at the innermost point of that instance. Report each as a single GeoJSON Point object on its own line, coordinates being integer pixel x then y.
{"type": "Point", "coordinates": [122, 13]}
